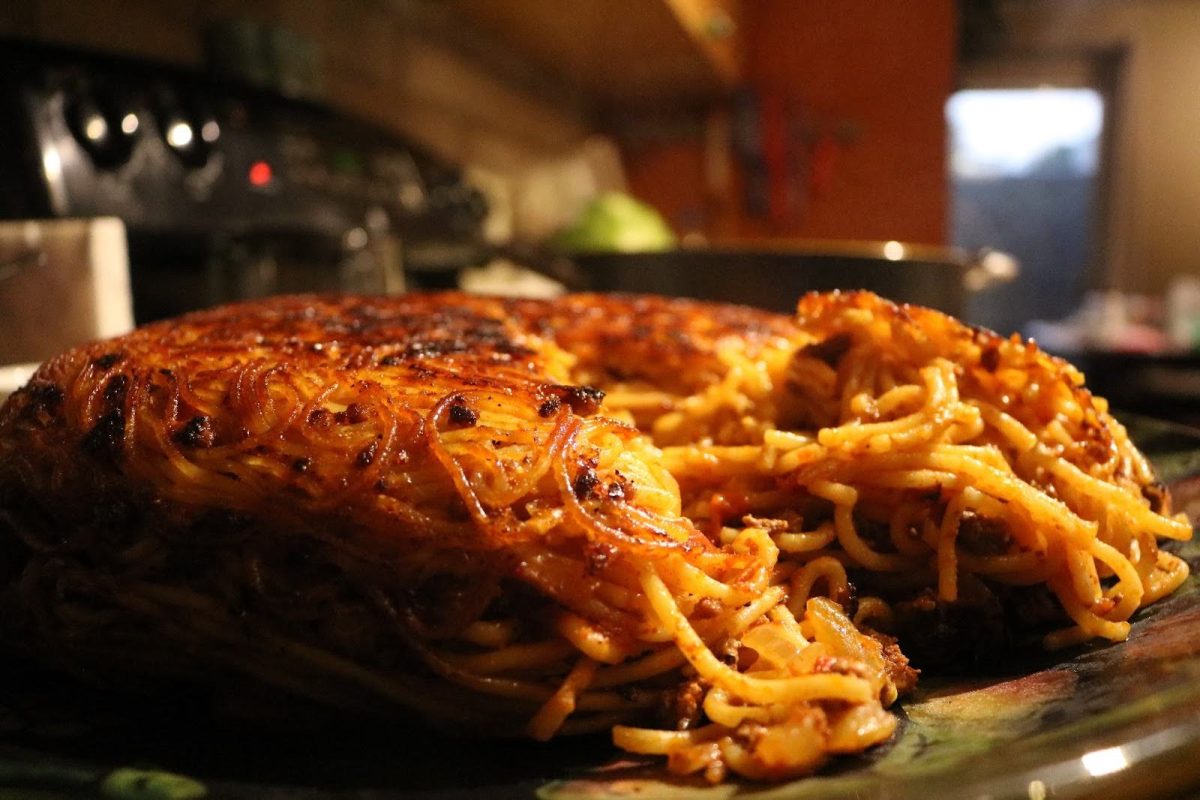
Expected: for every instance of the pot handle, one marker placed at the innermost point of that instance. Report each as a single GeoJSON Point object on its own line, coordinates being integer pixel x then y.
{"type": "Point", "coordinates": [989, 267]}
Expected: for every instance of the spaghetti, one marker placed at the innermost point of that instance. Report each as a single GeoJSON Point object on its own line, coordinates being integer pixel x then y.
{"type": "Point", "coordinates": [422, 500]}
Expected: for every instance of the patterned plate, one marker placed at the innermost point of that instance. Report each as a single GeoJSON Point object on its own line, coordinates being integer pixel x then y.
{"type": "Point", "coordinates": [1103, 720]}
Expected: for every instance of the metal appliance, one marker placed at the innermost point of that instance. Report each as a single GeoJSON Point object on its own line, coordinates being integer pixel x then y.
{"type": "Point", "coordinates": [226, 192]}
{"type": "Point", "coordinates": [774, 275]}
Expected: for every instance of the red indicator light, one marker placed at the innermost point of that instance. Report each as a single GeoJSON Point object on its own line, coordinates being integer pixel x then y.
{"type": "Point", "coordinates": [260, 173]}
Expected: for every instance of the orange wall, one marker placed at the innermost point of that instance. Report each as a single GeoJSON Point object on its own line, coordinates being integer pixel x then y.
{"type": "Point", "coordinates": [871, 79]}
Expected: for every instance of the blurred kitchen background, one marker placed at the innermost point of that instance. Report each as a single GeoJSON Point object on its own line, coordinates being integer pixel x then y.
{"type": "Point", "coordinates": [1031, 166]}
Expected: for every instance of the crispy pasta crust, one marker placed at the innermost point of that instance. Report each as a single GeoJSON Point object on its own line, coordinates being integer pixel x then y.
{"type": "Point", "coordinates": [590, 513]}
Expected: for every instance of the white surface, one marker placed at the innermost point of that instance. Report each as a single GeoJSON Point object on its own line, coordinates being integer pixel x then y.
{"type": "Point", "coordinates": [64, 283]}
{"type": "Point", "coordinates": [109, 259]}
{"type": "Point", "coordinates": [13, 377]}
{"type": "Point", "coordinates": [505, 279]}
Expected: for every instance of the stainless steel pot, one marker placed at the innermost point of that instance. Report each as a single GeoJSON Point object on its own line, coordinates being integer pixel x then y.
{"type": "Point", "coordinates": [774, 276]}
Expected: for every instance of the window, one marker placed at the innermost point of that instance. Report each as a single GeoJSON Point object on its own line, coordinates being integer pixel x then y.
{"type": "Point", "coordinates": [1024, 174]}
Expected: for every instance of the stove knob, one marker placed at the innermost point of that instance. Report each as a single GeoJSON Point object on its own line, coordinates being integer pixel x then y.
{"type": "Point", "coordinates": [190, 133]}
{"type": "Point", "coordinates": [181, 136]}
{"type": "Point", "coordinates": [105, 127]}
{"type": "Point", "coordinates": [205, 121]}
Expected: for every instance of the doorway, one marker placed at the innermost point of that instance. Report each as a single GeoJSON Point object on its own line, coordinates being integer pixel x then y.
{"type": "Point", "coordinates": [1027, 153]}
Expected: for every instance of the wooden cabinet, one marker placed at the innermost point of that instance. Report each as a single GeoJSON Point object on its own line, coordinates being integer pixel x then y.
{"type": "Point", "coordinates": [632, 54]}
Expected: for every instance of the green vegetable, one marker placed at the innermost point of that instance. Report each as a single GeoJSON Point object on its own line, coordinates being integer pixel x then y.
{"type": "Point", "coordinates": [616, 222]}
{"type": "Point", "coordinates": [138, 784]}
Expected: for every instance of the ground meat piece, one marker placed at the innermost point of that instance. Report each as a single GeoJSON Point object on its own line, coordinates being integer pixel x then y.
{"type": "Point", "coordinates": [966, 634]}
{"type": "Point", "coordinates": [584, 400]}
{"type": "Point", "coordinates": [1033, 608]}
{"type": "Point", "coordinates": [839, 666]}
{"type": "Point", "coordinates": [847, 598]}
{"type": "Point", "coordinates": [463, 415]}
{"type": "Point", "coordinates": [550, 406]}
{"type": "Point", "coordinates": [585, 483]}
{"type": "Point", "coordinates": [707, 608]}
{"type": "Point", "coordinates": [683, 709]}
{"type": "Point", "coordinates": [983, 536]}
{"type": "Point", "coordinates": [903, 676]}
{"type": "Point", "coordinates": [1160, 499]}
{"type": "Point", "coordinates": [767, 524]}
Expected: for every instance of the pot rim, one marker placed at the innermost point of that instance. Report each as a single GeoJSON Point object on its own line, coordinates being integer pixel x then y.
{"type": "Point", "coordinates": [892, 251]}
